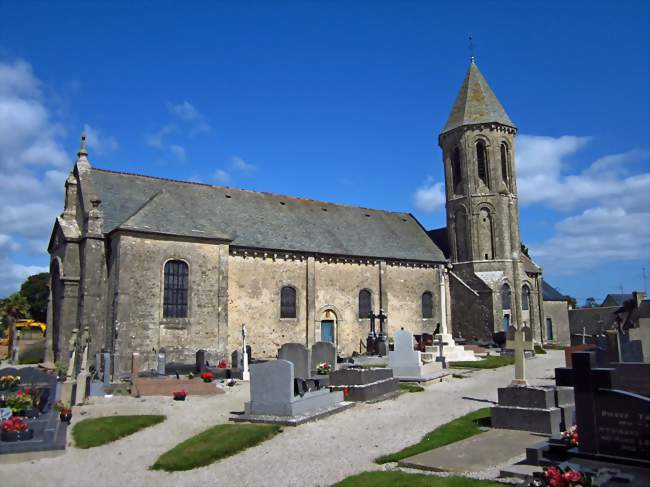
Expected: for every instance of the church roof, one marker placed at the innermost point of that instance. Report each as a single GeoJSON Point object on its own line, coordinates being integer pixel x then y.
{"type": "Point", "coordinates": [258, 220]}
{"type": "Point", "coordinates": [476, 103]}
{"type": "Point", "coordinates": [550, 293]}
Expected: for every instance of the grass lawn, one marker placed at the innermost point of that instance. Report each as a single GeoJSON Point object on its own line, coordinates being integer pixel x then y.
{"type": "Point", "coordinates": [410, 387]}
{"type": "Point", "coordinates": [456, 430]}
{"type": "Point", "coordinates": [539, 350]}
{"type": "Point", "coordinates": [489, 362]}
{"type": "Point", "coordinates": [401, 479]}
{"type": "Point", "coordinates": [218, 442]}
{"type": "Point", "coordinates": [99, 431]}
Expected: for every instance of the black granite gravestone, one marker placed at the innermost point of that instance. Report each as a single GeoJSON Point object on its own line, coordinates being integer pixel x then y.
{"type": "Point", "coordinates": [610, 422]}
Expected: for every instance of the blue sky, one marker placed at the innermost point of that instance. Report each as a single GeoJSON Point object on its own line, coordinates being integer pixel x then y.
{"type": "Point", "coordinates": [339, 101]}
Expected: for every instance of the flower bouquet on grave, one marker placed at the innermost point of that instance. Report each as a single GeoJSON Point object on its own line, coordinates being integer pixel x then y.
{"type": "Point", "coordinates": [223, 364]}
{"type": "Point", "coordinates": [557, 477]}
{"type": "Point", "coordinates": [19, 402]}
{"type": "Point", "coordinates": [207, 376]}
{"type": "Point", "coordinates": [570, 436]}
{"type": "Point", "coordinates": [65, 413]}
{"type": "Point", "coordinates": [9, 382]}
{"type": "Point", "coordinates": [180, 395]}
{"type": "Point", "coordinates": [324, 368]}
{"type": "Point", "coordinates": [16, 429]}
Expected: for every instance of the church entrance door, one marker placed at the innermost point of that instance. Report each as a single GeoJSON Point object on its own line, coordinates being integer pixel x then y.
{"type": "Point", "coordinates": [327, 331]}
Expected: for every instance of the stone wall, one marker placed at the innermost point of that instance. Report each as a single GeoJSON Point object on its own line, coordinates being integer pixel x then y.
{"type": "Point", "coordinates": [558, 312]}
{"type": "Point", "coordinates": [137, 311]}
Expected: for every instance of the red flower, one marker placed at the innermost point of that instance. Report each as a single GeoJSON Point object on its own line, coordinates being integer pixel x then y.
{"type": "Point", "coordinates": [572, 476]}
{"type": "Point", "coordinates": [346, 391]}
{"type": "Point", "coordinates": [19, 393]}
{"type": "Point", "coordinates": [15, 424]}
{"type": "Point", "coordinates": [222, 364]}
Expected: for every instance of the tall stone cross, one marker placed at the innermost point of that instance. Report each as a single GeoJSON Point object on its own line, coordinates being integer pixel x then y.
{"type": "Point", "coordinates": [520, 344]}
{"type": "Point", "coordinates": [382, 319]}
{"type": "Point", "coordinates": [245, 373]}
{"type": "Point", "coordinates": [585, 379]}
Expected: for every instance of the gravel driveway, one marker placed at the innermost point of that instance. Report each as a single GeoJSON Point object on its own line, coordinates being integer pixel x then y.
{"type": "Point", "coordinates": [313, 454]}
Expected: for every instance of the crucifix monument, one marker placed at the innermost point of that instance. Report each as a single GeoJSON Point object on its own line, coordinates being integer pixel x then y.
{"type": "Point", "coordinates": [522, 342]}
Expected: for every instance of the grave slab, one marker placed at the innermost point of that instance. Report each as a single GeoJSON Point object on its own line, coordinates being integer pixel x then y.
{"type": "Point", "coordinates": [475, 453]}
{"type": "Point", "coordinates": [299, 356]}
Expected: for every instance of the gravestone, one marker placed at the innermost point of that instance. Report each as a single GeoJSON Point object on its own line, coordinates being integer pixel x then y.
{"type": "Point", "coordinates": [236, 359]}
{"type": "Point", "coordinates": [520, 339]}
{"type": "Point", "coordinates": [610, 422]}
{"type": "Point", "coordinates": [162, 362]}
{"type": "Point", "coordinates": [299, 356]}
{"type": "Point", "coordinates": [274, 399]}
{"type": "Point", "coordinates": [201, 356]}
{"type": "Point", "coordinates": [323, 352]}
{"type": "Point", "coordinates": [360, 384]}
{"type": "Point", "coordinates": [534, 409]}
{"type": "Point", "coordinates": [406, 362]}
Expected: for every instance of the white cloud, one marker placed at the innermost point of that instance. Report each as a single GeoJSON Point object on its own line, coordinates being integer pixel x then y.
{"type": "Point", "coordinates": [157, 138]}
{"type": "Point", "coordinates": [241, 165]}
{"type": "Point", "coordinates": [593, 237]}
{"type": "Point", "coordinates": [614, 203]}
{"type": "Point", "coordinates": [99, 142]}
{"type": "Point", "coordinates": [544, 175]}
{"type": "Point", "coordinates": [186, 112]}
{"type": "Point", "coordinates": [221, 176]}
{"type": "Point", "coordinates": [33, 168]}
{"type": "Point", "coordinates": [430, 197]}
{"type": "Point", "coordinates": [178, 152]}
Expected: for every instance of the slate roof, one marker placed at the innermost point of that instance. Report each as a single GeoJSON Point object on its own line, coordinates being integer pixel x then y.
{"type": "Point", "coordinates": [616, 299]}
{"type": "Point", "coordinates": [476, 103]}
{"type": "Point", "coordinates": [550, 293]}
{"type": "Point", "coordinates": [258, 220]}
{"type": "Point", "coordinates": [593, 320]}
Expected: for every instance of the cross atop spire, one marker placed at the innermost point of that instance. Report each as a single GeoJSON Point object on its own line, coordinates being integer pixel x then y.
{"type": "Point", "coordinates": [471, 49]}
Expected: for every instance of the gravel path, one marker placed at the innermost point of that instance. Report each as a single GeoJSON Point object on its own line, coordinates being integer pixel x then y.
{"type": "Point", "coordinates": [313, 454]}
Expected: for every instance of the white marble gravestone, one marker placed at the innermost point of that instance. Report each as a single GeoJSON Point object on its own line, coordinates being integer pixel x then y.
{"type": "Point", "coordinates": [406, 362]}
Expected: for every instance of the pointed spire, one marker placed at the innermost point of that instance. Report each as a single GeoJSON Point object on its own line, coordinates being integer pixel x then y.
{"type": "Point", "coordinates": [83, 151]}
{"type": "Point", "coordinates": [82, 155]}
{"type": "Point", "coordinates": [476, 103]}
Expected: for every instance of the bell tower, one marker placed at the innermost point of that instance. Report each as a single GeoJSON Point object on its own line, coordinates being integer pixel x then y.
{"type": "Point", "coordinates": [481, 199]}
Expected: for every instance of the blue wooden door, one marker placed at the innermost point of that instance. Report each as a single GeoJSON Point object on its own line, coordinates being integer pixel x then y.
{"type": "Point", "coordinates": [506, 322]}
{"type": "Point", "coordinates": [327, 331]}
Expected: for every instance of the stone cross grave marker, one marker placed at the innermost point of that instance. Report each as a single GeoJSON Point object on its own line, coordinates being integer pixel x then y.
{"type": "Point", "coordinates": [586, 381]}
{"type": "Point", "coordinates": [299, 356]}
{"type": "Point", "coordinates": [441, 357]}
{"type": "Point", "coordinates": [323, 352]}
{"type": "Point", "coordinates": [522, 341]}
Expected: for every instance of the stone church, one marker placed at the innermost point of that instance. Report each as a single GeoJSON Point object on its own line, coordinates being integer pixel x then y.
{"type": "Point", "coordinates": [149, 263]}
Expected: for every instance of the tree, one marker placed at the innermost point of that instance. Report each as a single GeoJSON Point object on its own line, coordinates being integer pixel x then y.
{"type": "Point", "coordinates": [36, 291]}
{"type": "Point", "coordinates": [590, 303]}
{"type": "Point", "coordinates": [13, 308]}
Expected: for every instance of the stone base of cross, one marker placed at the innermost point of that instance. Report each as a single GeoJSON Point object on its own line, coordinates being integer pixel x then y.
{"type": "Point", "coordinates": [522, 342]}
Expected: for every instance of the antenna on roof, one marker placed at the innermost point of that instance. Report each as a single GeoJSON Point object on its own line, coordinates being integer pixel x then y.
{"type": "Point", "coordinates": [471, 49]}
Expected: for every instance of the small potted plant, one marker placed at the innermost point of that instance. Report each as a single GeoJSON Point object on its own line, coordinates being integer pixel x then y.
{"type": "Point", "coordinates": [180, 395]}
{"type": "Point", "coordinates": [19, 402]}
{"type": "Point", "coordinates": [324, 368]}
{"type": "Point", "coordinates": [16, 429]}
{"type": "Point", "coordinates": [9, 382]}
{"type": "Point", "coordinates": [65, 413]}
{"type": "Point", "coordinates": [207, 376]}
{"type": "Point", "coordinates": [570, 436]}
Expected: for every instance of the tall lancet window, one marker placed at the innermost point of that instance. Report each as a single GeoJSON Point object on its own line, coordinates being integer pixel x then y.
{"type": "Point", "coordinates": [482, 163]}
{"type": "Point", "coordinates": [525, 298]}
{"type": "Point", "coordinates": [506, 297]}
{"type": "Point", "coordinates": [456, 172]}
{"type": "Point", "coordinates": [485, 236]}
{"type": "Point", "coordinates": [175, 289]}
{"type": "Point", "coordinates": [505, 158]}
{"type": "Point", "coordinates": [427, 304]}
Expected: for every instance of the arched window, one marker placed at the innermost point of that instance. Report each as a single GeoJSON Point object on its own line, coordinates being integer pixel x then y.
{"type": "Point", "coordinates": [506, 297]}
{"type": "Point", "coordinates": [482, 163]}
{"type": "Point", "coordinates": [485, 237]}
{"type": "Point", "coordinates": [365, 303]}
{"type": "Point", "coordinates": [456, 173]}
{"type": "Point", "coordinates": [427, 305]}
{"type": "Point", "coordinates": [505, 157]}
{"type": "Point", "coordinates": [175, 295]}
{"type": "Point", "coordinates": [460, 227]}
{"type": "Point", "coordinates": [287, 302]}
{"type": "Point", "coordinates": [525, 297]}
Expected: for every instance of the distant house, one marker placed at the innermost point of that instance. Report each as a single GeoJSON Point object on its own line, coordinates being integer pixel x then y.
{"type": "Point", "coordinates": [616, 299]}
{"type": "Point", "coordinates": [556, 315]}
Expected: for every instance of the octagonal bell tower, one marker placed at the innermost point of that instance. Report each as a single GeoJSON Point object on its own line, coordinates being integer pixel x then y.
{"type": "Point", "coordinates": [482, 213]}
